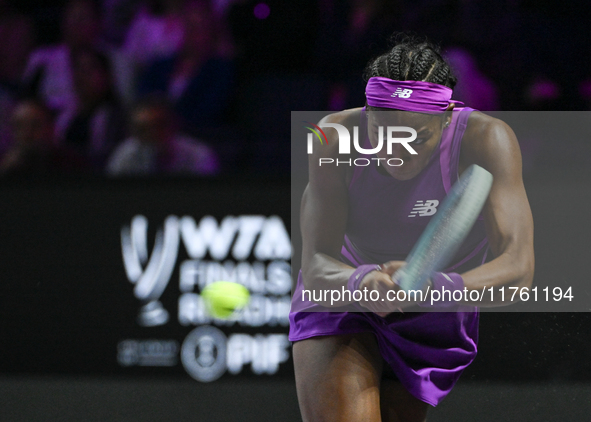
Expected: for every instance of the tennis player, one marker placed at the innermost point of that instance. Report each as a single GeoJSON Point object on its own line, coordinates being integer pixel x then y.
{"type": "Point", "coordinates": [360, 222]}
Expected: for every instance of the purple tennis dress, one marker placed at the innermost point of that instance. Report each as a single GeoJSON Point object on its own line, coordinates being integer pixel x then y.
{"type": "Point", "coordinates": [427, 350]}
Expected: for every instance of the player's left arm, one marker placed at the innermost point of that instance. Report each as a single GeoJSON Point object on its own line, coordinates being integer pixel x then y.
{"type": "Point", "coordinates": [492, 144]}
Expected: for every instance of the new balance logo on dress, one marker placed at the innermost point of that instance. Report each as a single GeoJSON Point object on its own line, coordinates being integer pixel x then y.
{"type": "Point", "coordinates": [402, 93]}
{"type": "Point", "coordinates": [424, 208]}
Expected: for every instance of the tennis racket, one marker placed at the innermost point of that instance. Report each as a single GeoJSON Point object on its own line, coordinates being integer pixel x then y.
{"type": "Point", "coordinates": [447, 230]}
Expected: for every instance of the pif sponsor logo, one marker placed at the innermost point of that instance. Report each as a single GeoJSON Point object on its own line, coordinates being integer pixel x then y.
{"type": "Point", "coordinates": [385, 136]}
{"type": "Point", "coordinates": [207, 353]}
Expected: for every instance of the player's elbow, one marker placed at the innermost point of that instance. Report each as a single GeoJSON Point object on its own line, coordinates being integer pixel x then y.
{"type": "Point", "coordinates": [311, 278]}
{"type": "Point", "coordinates": [525, 270]}
{"type": "Point", "coordinates": [307, 279]}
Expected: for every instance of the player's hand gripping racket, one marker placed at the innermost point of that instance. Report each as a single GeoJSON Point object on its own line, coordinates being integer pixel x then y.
{"type": "Point", "coordinates": [447, 230]}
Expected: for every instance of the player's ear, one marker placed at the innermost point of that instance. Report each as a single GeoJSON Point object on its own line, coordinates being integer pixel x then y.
{"type": "Point", "coordinates": [447, 115]}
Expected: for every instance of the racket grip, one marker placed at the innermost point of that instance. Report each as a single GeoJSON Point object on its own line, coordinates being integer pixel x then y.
{"type": "Point", "coordinates": [398, 276]}
{"type": "Point", "coordinates": [407, 282]}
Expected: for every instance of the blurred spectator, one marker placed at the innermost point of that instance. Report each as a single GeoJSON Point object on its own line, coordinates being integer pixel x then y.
{"type": "Point", "coordinates": [473, 87]}
{"type": "Point", "coordinates": [155, 32]}
{"type": "Point", "coordinates": [95, 124]}
{"type": "Point", "coordinates": [117, 18]}
{"type": "Point", "coordinates": [157, 147]}
{"type": "Point", "coordinates": [49, 70]}
{"type": "Point", "coordinates": [222, 7]}
{"type": "Point", "coordinates": [17, 35]}
{"type": "Point", "coordinates": [198, 80]}
{"type": "Point", "coordinates": [18, 29]}
{"type": "Point", "coordinates": [49, 73]}
{"type": "Point", "coordinates": [34, 151]}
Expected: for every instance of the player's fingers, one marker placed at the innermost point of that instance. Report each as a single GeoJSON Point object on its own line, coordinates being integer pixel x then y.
{"type": "Point", "coordinates": [377, 308]}
{"type": "Point", "coordinates": [391, 267]}
{"type": "Point", "coordinates": [384, 281]}
{"type": "Point", "coordinates": [377, 280]}
{"type": "Point", "coordinates": [382, 298]}
{"type": "Point", "coordinates": [387, 288]}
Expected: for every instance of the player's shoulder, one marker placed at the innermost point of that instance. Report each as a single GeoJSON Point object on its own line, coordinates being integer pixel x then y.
{"type": "Point", "coordinates": [346, 118]}
{"type": "Point", "coordinates": [328, 176]}
{"type": "Point", "coordinates": [487, 135]}
{"type": "Point", "coordinates": [481, 124]}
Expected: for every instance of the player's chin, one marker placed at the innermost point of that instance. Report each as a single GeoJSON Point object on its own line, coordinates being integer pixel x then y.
{"type": "Point", "coordinates": [403, 173]}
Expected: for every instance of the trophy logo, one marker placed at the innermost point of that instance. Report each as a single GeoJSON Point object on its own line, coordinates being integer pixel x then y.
{"type": "Point", "coordinates": [150, 273]}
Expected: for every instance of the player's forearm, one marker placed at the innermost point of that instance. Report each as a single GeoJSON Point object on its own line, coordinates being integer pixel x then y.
{"type": "Point", "coordinates": [323, 274]}
{"type": "Point", "coordinates": [507, 270]}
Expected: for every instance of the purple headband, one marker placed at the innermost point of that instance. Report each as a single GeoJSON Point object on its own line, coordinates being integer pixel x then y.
{"type": "Point", "coordinates": [418, 96]}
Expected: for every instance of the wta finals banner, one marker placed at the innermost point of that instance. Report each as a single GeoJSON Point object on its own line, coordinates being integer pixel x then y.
{"type": "Point", "coordinates": [106, 277]}
{"type": "Point", "coordinates": [377, 190]}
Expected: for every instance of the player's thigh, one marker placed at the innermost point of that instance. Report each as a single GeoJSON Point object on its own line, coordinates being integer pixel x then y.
{"type": "Point", "coordinates": [338, 378]}
{"type": "Point", "coordinates": [398, 405]}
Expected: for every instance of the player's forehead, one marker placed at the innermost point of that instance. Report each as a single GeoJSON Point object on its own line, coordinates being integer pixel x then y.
{"type": "Point", "coordinates": [402, 118]}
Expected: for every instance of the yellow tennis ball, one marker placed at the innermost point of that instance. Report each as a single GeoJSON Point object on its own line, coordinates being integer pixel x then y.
{"type": "Point", "coordinates": [223, 298]}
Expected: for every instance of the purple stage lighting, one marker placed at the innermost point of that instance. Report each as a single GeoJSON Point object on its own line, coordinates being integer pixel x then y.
{"type": "Point", "coordinates": [261, 11]}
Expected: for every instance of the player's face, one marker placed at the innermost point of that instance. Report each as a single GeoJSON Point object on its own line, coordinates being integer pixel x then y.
{"type": "Point", "coordinates": [429, 129]}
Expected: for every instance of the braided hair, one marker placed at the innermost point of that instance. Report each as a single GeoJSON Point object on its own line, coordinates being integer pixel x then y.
{"type": "Point", "coordinates": [412, 60]}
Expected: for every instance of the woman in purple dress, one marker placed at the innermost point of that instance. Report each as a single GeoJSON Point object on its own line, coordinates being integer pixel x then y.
{"type": "Point", "coordinates": [364, 360]}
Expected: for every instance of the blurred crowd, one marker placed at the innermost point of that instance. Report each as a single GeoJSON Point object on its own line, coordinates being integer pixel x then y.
{"type": "Point", "coordinates": [205, 87]}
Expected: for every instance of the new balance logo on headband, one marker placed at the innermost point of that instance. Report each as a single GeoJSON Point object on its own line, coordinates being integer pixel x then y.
{"type": "Point", "coordinates": [424, 208]}
{"type": "Point", "coordinates": [402, 93]}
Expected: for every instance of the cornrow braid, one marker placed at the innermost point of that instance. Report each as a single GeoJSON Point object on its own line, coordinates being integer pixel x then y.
{"type": "Point", "coordinates": [412, 59]}
{"type": "Point", "coordinates": [421, 65]}
{"type": "Point", "coordinates": [373, 69]}
{"type": "Point", "coordinates": [394, 62]}
{"type": "Point", "coordinates": [443, 73]}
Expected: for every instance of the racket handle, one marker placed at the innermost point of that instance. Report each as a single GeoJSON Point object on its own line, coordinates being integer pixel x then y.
{"type": "Point", "coordinates": [408, 282]}
{"type": "Point", "coordinates": [399, 276]}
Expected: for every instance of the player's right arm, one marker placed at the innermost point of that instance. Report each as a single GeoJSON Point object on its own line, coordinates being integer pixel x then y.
{"type": "Point", "coordinates": [323, 218]}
